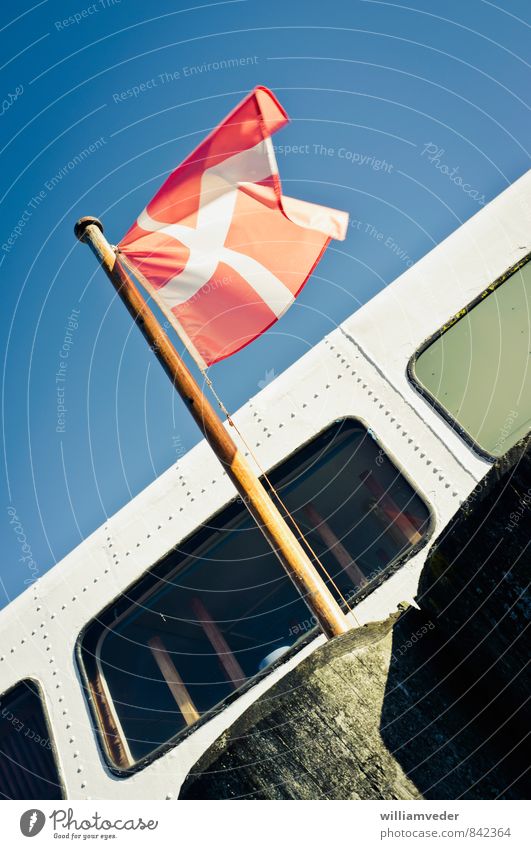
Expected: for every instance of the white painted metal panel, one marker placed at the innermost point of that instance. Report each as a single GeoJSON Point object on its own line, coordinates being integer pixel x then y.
{"type": "Point", "coordinates": [359, 370]}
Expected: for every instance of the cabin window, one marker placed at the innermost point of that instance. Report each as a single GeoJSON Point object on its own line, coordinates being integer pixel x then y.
{"type": "Point", "coordinates": [219, 609]}
{"type": "Point", "coordinates": [476, 371]}
{"type": "Point", "coordinates": [27, 763]}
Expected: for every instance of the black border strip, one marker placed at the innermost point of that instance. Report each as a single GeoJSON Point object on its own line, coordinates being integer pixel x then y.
{"type": "Point", "coordinates": [417, 385]}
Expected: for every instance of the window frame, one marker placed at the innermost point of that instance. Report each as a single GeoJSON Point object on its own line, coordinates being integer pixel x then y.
{"type": "Point", "coordinates": [425, 393]}
{"type": "Point", "coordinates": [48, 725]}
{"type": "Point", "coordinates": [148, 580]}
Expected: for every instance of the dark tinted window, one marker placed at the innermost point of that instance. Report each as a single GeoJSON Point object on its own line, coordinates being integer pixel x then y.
{"type": "Point", "coordinates": [27, 764]}
{"type": "Point", "coordinates": [220, 609]}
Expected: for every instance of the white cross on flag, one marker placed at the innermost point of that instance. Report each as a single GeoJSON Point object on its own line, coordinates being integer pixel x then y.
{"type": "Point", "coordinates": [219, 248]}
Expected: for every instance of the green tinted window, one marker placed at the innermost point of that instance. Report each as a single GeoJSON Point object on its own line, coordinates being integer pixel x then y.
{"type": "Point", "coordinates": [478, 368]}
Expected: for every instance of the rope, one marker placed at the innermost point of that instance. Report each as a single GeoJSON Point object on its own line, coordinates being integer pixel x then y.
{"type": "Point", "coordinates": [272, 489]}
{"type": "Point", "coordinates": [276, 495]}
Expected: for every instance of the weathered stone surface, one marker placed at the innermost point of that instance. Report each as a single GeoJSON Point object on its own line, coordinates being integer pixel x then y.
{"type": "Point", "coordinates": [429, 704]}
{"type": "Point", "coordinates": [364, 717]}
{"type": "Point", "coordinates": [475, 583]}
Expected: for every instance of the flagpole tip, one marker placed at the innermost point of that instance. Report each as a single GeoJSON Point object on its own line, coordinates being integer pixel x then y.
{"type": "Point", "coordinates": [81, 225]}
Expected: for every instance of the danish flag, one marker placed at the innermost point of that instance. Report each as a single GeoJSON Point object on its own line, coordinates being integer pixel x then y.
{"type": "Point", "coordinates": [219, 248]}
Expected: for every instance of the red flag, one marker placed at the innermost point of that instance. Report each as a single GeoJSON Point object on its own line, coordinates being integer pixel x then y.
{"type": "Point", "coordinates": [219, 248]}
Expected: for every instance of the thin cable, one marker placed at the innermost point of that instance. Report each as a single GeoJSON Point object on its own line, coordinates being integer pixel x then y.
{"type": "Point", "coordinates": [288, 514]}
{"type": "Point", "coordinates": [145, 285]}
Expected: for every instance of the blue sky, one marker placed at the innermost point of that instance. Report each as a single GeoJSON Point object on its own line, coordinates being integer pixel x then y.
{"type": "Point", "coordinates": [410, 117]}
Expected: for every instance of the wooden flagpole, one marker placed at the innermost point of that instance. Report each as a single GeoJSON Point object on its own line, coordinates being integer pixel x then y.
{"type": "Point", "coordinates": [289, 551]}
